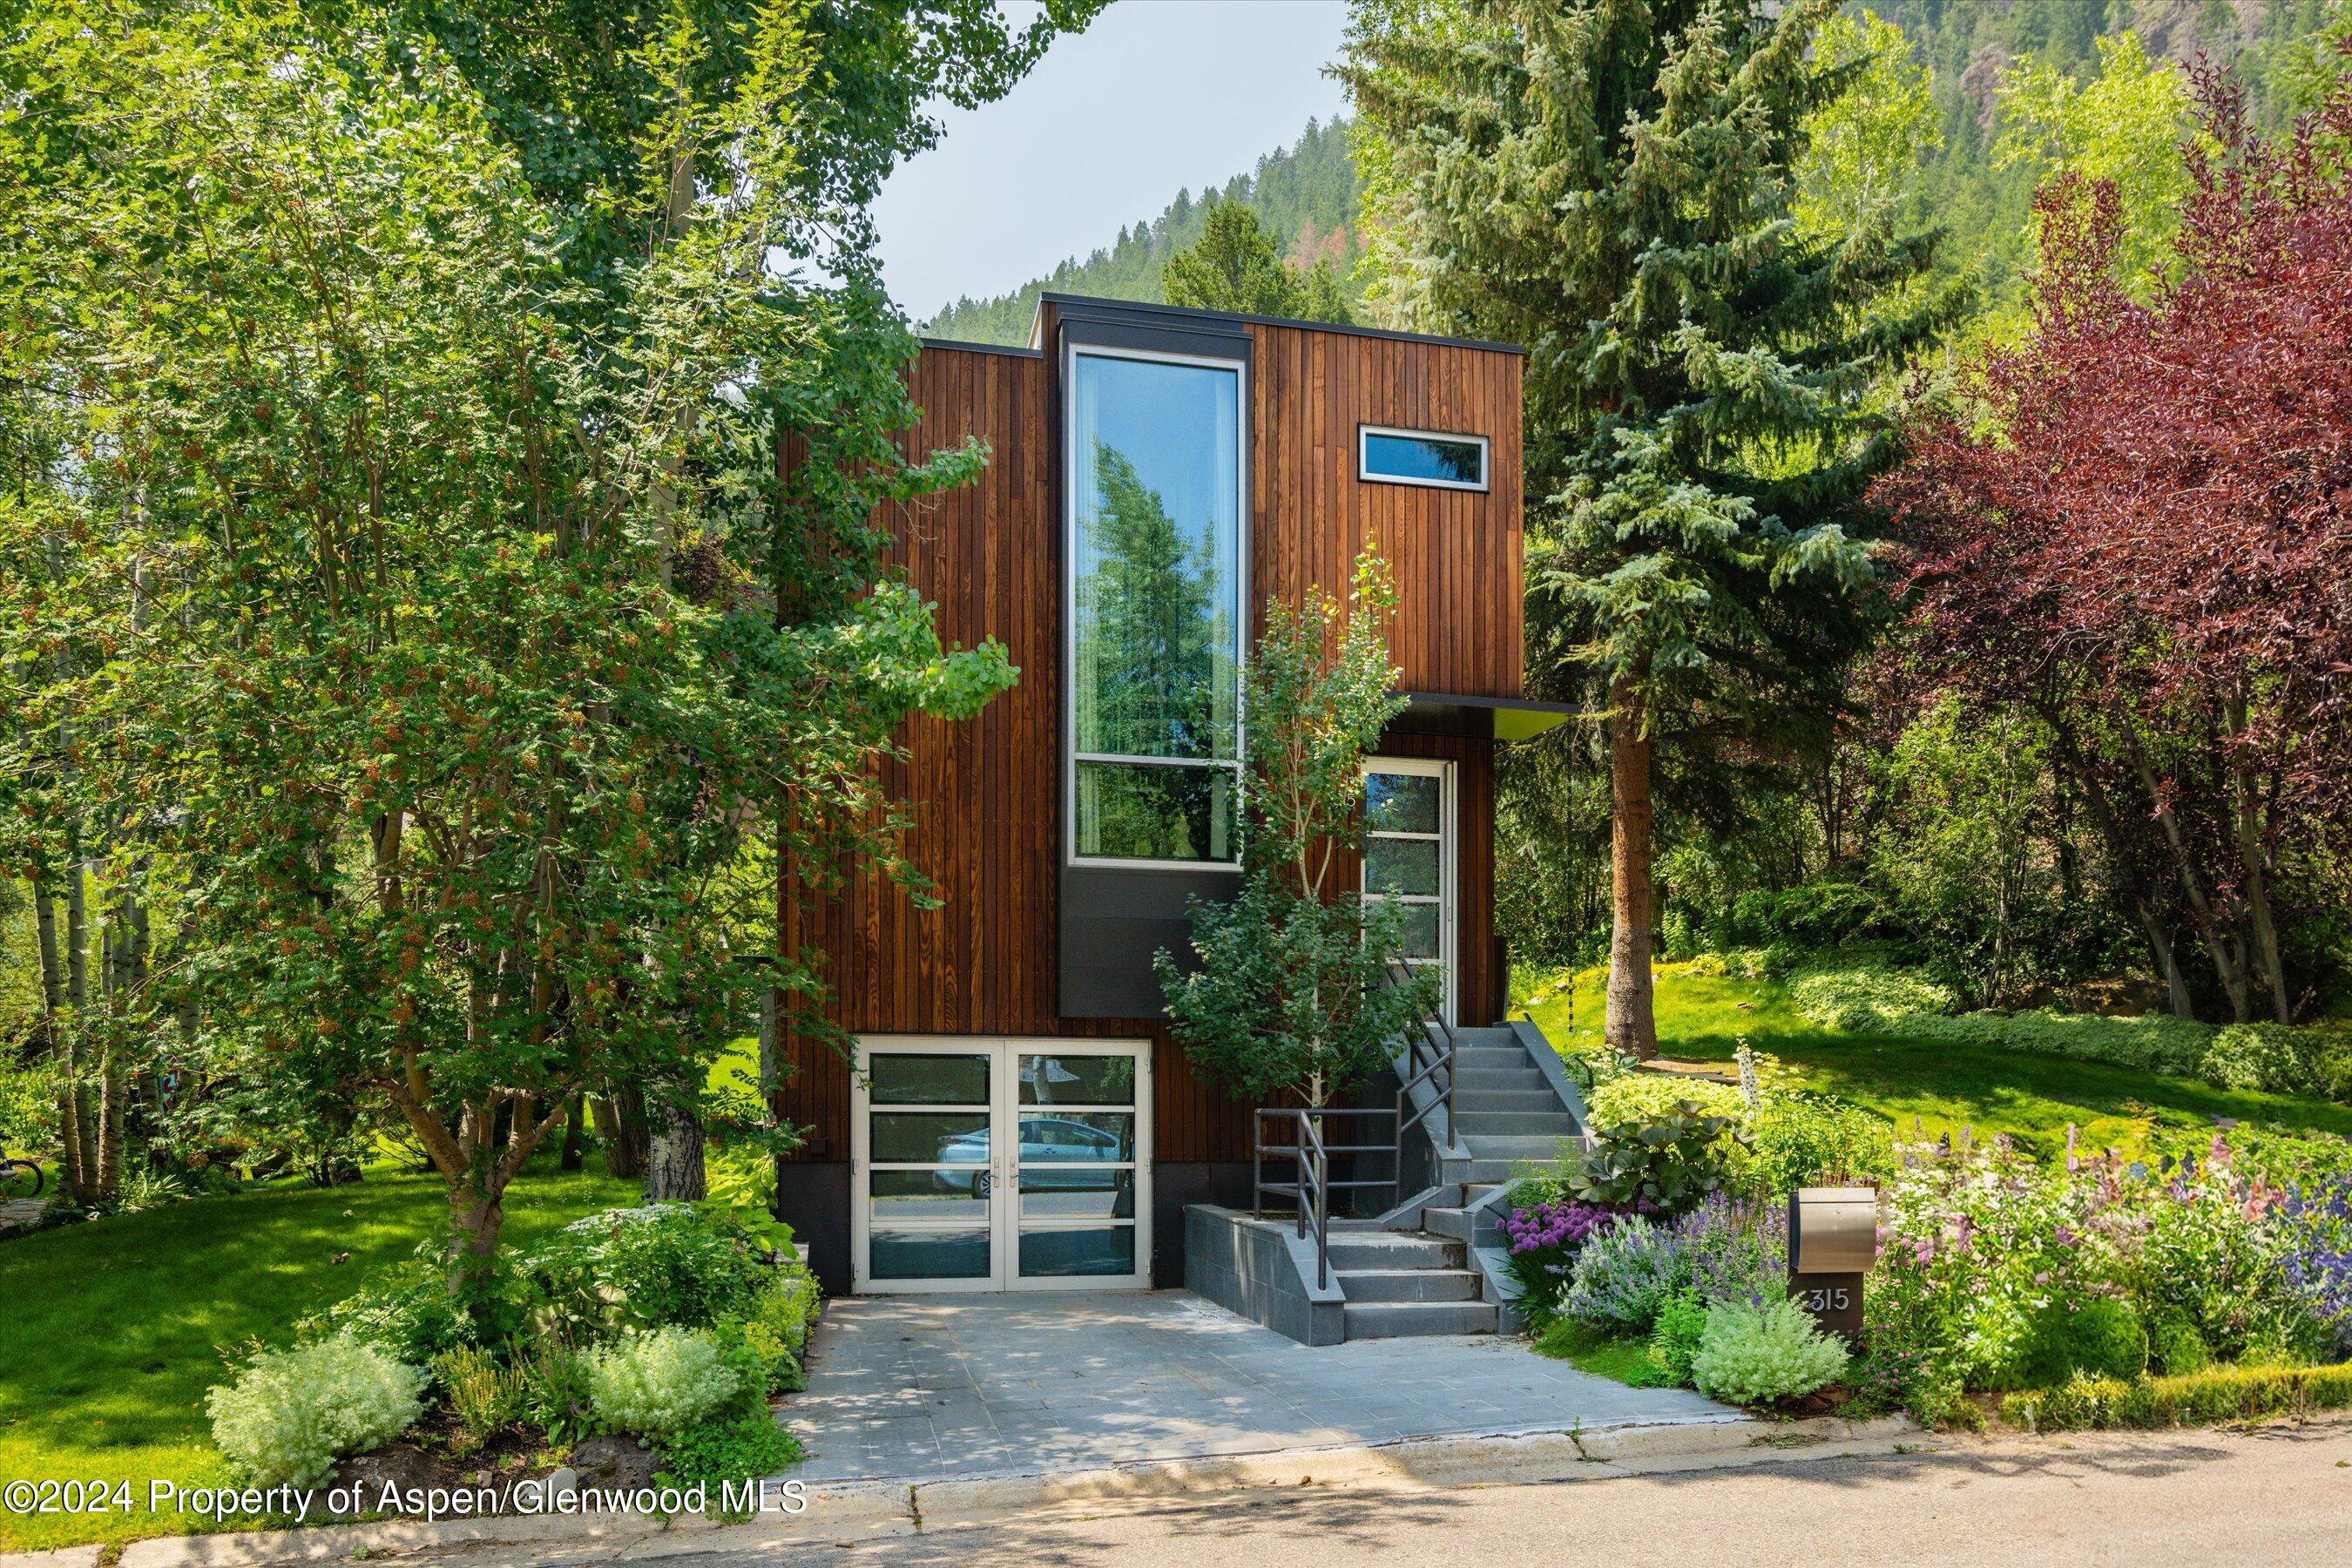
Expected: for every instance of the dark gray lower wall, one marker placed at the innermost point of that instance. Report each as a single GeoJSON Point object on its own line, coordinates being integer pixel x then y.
{"type": "Point", "coordinates": [813, 1199]}
{"type": "Point", "coordinates": [1175, 1185]}
{"type": "Point", "coordinates": [1257, 1270]}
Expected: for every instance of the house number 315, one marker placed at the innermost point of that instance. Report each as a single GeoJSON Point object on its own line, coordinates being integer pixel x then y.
{"type": "Point", "coordinates": [1826, 1299]}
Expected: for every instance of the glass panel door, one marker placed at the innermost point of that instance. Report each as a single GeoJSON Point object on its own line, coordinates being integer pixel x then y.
{"type": "Point", "coordinates": [1409, 855]}
{"type": "Point", "coordinates": [1077, 1168]}
{"type": "Point", "coordinates": [925, 1147]}
{"type": "Point", "coordinates": [985, 1165]}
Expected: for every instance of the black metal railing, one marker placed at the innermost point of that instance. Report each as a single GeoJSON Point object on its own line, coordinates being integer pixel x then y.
{"type": "Point", "coordinates": [1429, 1056]}
{"type": "Point", "coordinates": [1311, 1187]}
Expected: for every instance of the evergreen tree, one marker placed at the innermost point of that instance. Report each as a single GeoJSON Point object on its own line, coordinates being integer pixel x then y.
{"type": "Point", "coordinates": [1609, 182]}
{"type": "Point", "coordinates": [1234, 266]}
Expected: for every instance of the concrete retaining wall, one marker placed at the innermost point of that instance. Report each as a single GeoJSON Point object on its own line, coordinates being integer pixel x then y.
{"type": "Point", "coordinates": [1261, 1270]}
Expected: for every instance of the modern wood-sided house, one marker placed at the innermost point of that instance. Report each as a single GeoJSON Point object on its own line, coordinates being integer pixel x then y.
{"type": "Point", "coordinates": [1018, 1116]}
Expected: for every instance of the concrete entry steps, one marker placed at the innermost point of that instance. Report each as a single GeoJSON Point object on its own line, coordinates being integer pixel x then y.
{"type": "Point", "coordinates": [1398, 1284]}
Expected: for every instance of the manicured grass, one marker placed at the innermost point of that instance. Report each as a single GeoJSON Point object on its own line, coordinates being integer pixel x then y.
{"type": "Point", "coordinates": [1941, 1084]}
{"type": "Point", "coordinates": [1603, 1355]}
{"type": "Point", "coordinates": [114, 1329]}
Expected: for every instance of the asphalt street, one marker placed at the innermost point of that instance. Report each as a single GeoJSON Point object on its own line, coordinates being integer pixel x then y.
{"type": "Point", "coordinates": [2276, 1495]}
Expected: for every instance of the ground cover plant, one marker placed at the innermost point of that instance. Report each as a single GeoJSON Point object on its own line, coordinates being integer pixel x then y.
{"type": "Point", "coordinates": [1926, 1087]}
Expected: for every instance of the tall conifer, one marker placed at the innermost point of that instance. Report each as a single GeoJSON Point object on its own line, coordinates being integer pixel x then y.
{"type": "Point", "coordinates": [1609, 183]}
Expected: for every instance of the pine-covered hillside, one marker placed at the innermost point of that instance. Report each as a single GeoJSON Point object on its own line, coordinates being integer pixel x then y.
{"type": "Point", "coordinates": [1306, 197]}
{"type": "Point", "coordinates": [1305, 194]}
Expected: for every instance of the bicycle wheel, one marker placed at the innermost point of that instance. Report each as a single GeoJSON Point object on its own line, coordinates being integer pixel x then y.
{"type": "Point", "coordinates": [20, 1179]}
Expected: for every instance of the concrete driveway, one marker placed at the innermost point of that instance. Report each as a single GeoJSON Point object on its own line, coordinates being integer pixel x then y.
{"type": "Point", "coordinates": [927, 1388]}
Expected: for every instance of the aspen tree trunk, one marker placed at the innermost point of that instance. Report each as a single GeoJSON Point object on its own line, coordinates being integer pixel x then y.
{"type": "Point", "coordinates": [674, 1165]}
{"type": "Point", "coordinates": [1631, 1025]}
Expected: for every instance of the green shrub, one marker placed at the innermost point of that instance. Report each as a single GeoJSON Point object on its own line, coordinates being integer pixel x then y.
{"type": "Point", "coordinates": [290, 1414]}
{"type": "Point", "coordinates": [662, 1381]}
{"type": "Point", "coordinates": [1811, 915]}
{"type": "Point", "coordinates": [484, 1395]}
{"type": "Point", "coordinates": [2174, 1345]}
{"type": "Point", "coordinates": [645, 1268]}
{"type": "Point", "coordinates": [737, 1446]}
{"type": "Point", "coordinates": [1671, 1160]}
{"type": "Point", "coordinates": [2316, 1061]}
{"type": "Point", "coordinates": [1800, 1140]}
{"type": "Point", "coordinates": [1863, 993]}
{"type": "Point", "coordinates": [1682, 1322]}
{"type": "Point", "coordinates": [1760, 1355]}
{"type": "Point", "coordinates": [1646, 1096]}
{"type": "Point", "coordinates": [2217, 1394]}
{"type": "Point", "coordinates": [2103, 1337]}
{"type": "Point", "coordinates": [406, 1310]}
{"type": "Point", "coordinates": [776, 1327]}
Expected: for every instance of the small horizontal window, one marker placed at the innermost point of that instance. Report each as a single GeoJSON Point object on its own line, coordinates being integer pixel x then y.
{"type": "Point", "coordinates": [1424, 458]}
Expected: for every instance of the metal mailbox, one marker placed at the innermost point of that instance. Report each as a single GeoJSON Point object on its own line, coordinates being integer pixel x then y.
{"type": "Point", "coordinates": [1832, 1242]}
{"type": "Point", "coordinates": [1832, 1230]}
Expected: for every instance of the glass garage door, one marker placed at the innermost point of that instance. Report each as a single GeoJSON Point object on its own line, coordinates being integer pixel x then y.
{"type": "Point", "coordinates": [1001, 1165]}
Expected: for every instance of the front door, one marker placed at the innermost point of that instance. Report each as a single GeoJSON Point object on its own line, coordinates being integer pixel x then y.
{"type": "Point", "coordinates": [989, 1164]}
{"type": "Point", "coordinates": [1409, 855]}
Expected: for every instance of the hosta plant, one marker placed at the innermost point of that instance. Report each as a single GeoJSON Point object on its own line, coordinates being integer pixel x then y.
{"type": "Point", "coordinates": [1670, 1161]}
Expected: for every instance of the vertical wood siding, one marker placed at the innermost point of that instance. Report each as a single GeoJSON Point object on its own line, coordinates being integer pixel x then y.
{"type": "Point", "coordinates": [984, 796]}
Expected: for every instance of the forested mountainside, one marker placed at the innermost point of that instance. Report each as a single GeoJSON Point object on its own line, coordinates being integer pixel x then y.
{"type": "Point", "coordinates": [1306, 193]}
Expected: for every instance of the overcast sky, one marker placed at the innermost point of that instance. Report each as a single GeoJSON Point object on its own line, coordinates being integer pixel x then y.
{"type": "Point", "coordinates": [1156, 95]}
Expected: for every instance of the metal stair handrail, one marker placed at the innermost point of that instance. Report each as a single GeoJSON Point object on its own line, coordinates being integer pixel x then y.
{"type": "Point", "coordinates": [1437, 1070]}
{"type": "Point", "coordinates": [1429, 1049]}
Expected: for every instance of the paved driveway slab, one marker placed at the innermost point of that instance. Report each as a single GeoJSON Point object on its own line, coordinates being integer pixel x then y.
{"type": "Point", "coordinates": [922, 1388]}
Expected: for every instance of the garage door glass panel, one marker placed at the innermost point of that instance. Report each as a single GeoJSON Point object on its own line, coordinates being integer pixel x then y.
{"type": "Point", "coordinates": [1059, 1193]}
{"type": "Point", "coordinates": [928, 1137]}
{"type": "Point", "coordinates": [929, 1255]}
{"type": "Point", "coordinates": [904, 1196]}
{"type": "Point", "coordinates": [1057, 1253]}
{"type": "Point", "coordinates": [1077, 1080]}
{"type": "Point", "coordinates": [911, 1080]}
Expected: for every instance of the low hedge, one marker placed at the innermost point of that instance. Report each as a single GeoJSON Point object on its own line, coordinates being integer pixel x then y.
{"type": "Point", "coordinates": [2196, 1398]}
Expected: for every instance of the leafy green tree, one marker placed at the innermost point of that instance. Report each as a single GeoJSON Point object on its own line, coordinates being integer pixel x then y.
{"type": "Point", "coordinates": [1864, 148]}
{"type": "Point", "coordinates": [414, 578]}
{"type": "Point", "coordinates": [1234, 266]}
{"type": "Point", "coordinates": [1292, 995]}
{"type": "Point", "coordinates": [1610, 183]}
{"type": "Point", "coordinates": [2127, 127]}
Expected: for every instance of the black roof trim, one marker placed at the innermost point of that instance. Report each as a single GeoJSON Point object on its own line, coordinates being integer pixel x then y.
{"type": "Point", "coordinates": [961, 346]}
{"type": "Point", "coordinates": [1173, 314]}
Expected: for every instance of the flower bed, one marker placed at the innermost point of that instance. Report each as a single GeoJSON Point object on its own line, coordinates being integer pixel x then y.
{"type": "Point", "coordinates": [672, 1324]}
{"type": "Point", "coordinates": [2087, 1291]}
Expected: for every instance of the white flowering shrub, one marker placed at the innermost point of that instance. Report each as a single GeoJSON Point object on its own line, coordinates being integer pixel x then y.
{"type": "Point", "coordinates": [1758, 1355]}
{"type": "Point", "coordinates": [290, 1414]}
{"type": "Point", "coordinates": [654, 1383]}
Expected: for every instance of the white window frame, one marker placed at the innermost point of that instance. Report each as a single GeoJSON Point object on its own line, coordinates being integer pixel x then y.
{"type": "Point", "coordinates": [1364, 434]}
{"type": "Point", "coordinates": [1449, 952]}
{"type": "Point", "coordinates": [1071, 757]}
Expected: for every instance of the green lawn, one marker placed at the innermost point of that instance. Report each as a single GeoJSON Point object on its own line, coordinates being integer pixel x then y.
{"type": "Point", "coordinates": [1942, 1084]}
{"type": "Point", "coordinates": [114, 1329]}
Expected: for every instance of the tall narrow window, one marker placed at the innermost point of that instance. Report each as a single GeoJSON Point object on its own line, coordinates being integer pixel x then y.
{"type": "Point", "coordinates": [1156, 611]}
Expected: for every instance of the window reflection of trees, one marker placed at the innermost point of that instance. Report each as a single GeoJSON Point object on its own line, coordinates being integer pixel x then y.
{"type": "Point", "coordinates": [1153, 677]}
